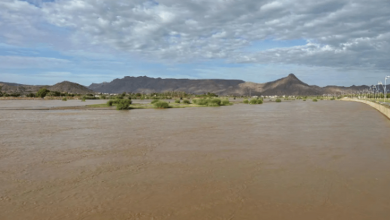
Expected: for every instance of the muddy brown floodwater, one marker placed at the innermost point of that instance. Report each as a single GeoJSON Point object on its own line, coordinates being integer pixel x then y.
{"type": "Point", "coordinates": [44, 104]}
{"type": "Point", "coordinates": [289, 160]}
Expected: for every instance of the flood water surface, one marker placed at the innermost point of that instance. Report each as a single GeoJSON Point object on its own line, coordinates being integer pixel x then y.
{"type": "Point", "coordinates": [289, 160]}
{"type": "Point", "coordinates": [44, 104]}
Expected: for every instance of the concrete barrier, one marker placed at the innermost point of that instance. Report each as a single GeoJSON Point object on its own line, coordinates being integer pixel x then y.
{"type": "Point", "coordinates": [382, 109]}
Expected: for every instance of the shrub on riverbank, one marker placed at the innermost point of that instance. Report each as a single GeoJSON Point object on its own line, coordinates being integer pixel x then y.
{"type": "Point", "coordinates": [177, 101]}
{"type": "Point", "coordinates": [64, 99]}
{"type": "Point", "coordinates": [278, 100]}
{"type": "Point", "coordinates": [245, 101]}
{"type": "Point", "coordinates": [314, 100]}
{"type": "Point", "coordinates": [186, 101]}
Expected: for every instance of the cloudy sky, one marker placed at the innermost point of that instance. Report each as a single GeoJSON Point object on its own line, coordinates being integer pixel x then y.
{"type": "Point", "coordinates": [337, 42]}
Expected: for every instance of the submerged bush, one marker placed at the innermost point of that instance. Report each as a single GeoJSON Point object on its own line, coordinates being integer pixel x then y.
{"type": "Point", "coordinates": [214, 102]}
{"type": "Point", "coordinates": [245, 101]}
{"type": "Point", "coordinates": [186, 101]}
{"type": "Point", "coordinates": [256, 101]}
{"type": "Point", "coordinates": [109, 103]}
{"type": "Point", "coordinates": [304, 100]}
{"type": "Point", "coordinates": [211, 102]}
{"type": "Point", "coordinates": [332, 98]}
{"type": "Point", "coordinates": [278, 100]}
{"type": "Point", "coordinates": [314, 100]}
{"type": "Point", "coordinates": [177, 101]}
{"type": "Point", "coordinates": [253, 101]}
{"type": "Point", "coordinates": [225, 102]}
{"type": "Point", "coordinates": [64, 99]}
{"type": "Point", "coordinates": [161, 104]}
{"type": "Point", "coordinates": [155, 100]}
{"type": "Point", "coordinates": [123, 104]}
{"type": "Point", "coordinates": [201, 102]}
{"type": "Point", "coordinates": [83, 99]}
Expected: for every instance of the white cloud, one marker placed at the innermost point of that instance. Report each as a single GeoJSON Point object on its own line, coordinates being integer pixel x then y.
{"type": "Point", "coordinates": [344, 34]}
{"type": "Point", "coordinates": [21, 62]}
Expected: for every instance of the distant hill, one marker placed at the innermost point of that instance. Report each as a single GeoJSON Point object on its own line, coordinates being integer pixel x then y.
{"type": "Point", "coordinates": [11, 84]}
{"type": "Point", "coordinates": [289, 85]}
{"type": "Point", "coordinates": [18, 88]}
{"type": "Point", "coordinates": [70, 87]}
{"type": "Point", "coordinates": [65, 86]}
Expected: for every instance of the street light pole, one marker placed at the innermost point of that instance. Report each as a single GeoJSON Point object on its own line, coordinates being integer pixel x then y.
{"type": "Point", "coordinates": [385, 92]}
{"type": "Point", "coordinates": [380, 83]}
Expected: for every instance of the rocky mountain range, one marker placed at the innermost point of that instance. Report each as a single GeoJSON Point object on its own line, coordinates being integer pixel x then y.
{"type": "Point", "coordinates": [289, 85]}
{"type": "Point", "coordinates": [145, 84]}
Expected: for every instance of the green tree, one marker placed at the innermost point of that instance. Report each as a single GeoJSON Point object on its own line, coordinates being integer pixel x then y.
{"type": "Point", "coordinates": [42, 92]}
{"type": "Point", "coordinates": [31, 95]}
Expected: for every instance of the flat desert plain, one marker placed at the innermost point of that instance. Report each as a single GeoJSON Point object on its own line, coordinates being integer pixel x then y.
{"type": "Point", "coordinates": [289, 160]}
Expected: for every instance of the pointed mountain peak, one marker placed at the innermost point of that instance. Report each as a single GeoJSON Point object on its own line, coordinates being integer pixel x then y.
{"type": "Point", "coordinates": [291, 75]}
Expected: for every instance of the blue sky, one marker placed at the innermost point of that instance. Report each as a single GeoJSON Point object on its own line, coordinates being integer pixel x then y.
{"type": "Point", "coordinates": [323, 43]}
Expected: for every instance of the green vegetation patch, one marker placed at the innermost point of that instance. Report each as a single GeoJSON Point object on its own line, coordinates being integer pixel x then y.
{"type": "Point", "coordinates": [226, 102]}
{"type": "Point", "coordinates": [278, 100]}
{"type": "Point", "coordinates": [123, 104]}
{"type": "Point", "coordinates": [161, 105]}
{"type": "Point", "coordinates": [211, 102]}
{"type": "Point", "coordinates": [42, 92]}
{"type": "Point", "coordinates": [256, 101]}
{"type": "Point", "coordinates": [155, 101]}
